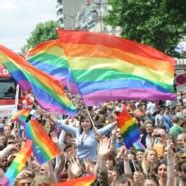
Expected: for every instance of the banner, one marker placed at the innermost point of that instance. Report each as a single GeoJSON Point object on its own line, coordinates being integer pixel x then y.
{"type": "Point", "coordinates": [7, 110]}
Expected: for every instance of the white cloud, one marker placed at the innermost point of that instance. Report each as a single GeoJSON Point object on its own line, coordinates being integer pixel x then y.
{"type": "Point", "coordinates": [18, 19]}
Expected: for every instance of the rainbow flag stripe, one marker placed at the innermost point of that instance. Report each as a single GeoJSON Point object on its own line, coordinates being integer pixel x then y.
{"type": "Point", "coordinates": [48, 92]}
{"type": "Point", "coordinates": [107, 67]}
{"type": "Point", "coordinates": [19, 162]}
{"type": "Point", "coordinates": [24, 111]}
{"type": "Point", "coordinates": [43, 147]}
{"type": "Point", "coordinates": [128, 128]}
{"type": "Point", "coordinates": [49, 57]}
{"type": "Point", "coordinates": [83, 181]}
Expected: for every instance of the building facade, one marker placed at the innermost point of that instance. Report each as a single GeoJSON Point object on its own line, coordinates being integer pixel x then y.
{"type": "Point", "coordinates": [67, 11]}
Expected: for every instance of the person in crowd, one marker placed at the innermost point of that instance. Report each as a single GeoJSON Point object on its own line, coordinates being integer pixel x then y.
{"type": "Point", "coordinates": [175, 130]}
{"type": "Point", "coordinates": [147, 139]}
{"type": "Point", "coordinates": [167, 119]}
{"type": "Point", "coordinates": [149, 159]}
{"type": "Point", "coordinates": [86, 141]}
{"type": "Point", "coordinates": [100, 151]}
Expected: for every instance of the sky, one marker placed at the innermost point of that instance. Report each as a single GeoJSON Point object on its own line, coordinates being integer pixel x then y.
{"type": "Point", "coordinates": [18, 19]}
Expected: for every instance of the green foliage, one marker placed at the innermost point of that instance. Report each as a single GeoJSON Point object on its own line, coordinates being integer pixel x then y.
{"type": "Point", "coordinates": [159, 23]}
{"type": "Point", "coordinates": [42, 32]}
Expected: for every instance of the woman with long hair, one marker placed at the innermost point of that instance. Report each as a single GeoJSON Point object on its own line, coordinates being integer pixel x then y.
{"type": "Point", "coordinates": [149, 158]}
{"type": "Point", "coordinates": [86, 136]}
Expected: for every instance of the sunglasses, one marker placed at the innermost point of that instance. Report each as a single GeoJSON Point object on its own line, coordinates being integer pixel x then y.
{"type": "Point", "coordinates": [10, 142]}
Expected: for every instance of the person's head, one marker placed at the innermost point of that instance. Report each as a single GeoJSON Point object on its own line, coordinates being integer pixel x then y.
{"type": "Point", "coordinates": [69, 150]}
{"type": "Point", "coordinates": [150, 156]}
{"type": "Point", "coordinates": [175, 119]}
{"type": "Point", "coordinates": [183, 171]}
{"type": "Point", "coordinates": [167, 110]}
{"type": "Point", "coordinates": [7, 130]}
{"type": "Point", "coordinates": [149, 127]}
{"type": "Point", "coordinates": [180, 140]}
{"type": "Point", "coordinates": [162, 169]}
{"type": "Point", "coordinates": [4, 163]}
{"type": "Point", "coordinates": [122, 180]}
{"type": "Point", "coordinates": [85, 123]}
{"type": "Point", "coordinates": [110, 161]}
{"type": "Point", "coordinates": [10, 139]}
{"type": "Point", "coordinates": [41, 180]}
{"type": "Point", "coordinates": [139, 155]}
{"type": "Point", "coordinates": [44, 169]}
{"type": "Point", "coordinates": [151, 180]}
{"type": "Point", "coordinates": [3, 141]}
{"type": "Point", "coordinates": [162, 135]}
{"type": "Point", "coordinates": [24, 178]}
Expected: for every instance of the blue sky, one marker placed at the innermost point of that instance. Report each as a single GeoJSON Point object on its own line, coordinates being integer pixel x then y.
{"type": "Point", "coordinates": [18, 19]}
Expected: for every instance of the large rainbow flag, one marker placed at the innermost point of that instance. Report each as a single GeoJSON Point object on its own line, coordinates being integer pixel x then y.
{"type": "Point", "coordinates": [19, 162]}
{"type": "Point", "coordinates": [49, 57]}
{"type": "Point", "coordinates": [107, 67]}
{"type": "Point", "coordinates": [48, 92]}
{"type": "Point", "coordinates": [82, 181]}
{"type": "Point", "coordinates": [128, 128]}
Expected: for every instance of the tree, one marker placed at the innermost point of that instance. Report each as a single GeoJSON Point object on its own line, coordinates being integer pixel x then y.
{"type": "Point", "coordinates": [42, 32]}
{"type": "Point", "coordinates": [159, 23]}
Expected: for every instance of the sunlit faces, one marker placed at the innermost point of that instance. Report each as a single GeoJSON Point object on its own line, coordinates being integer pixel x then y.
{"type": "Point", "coordinates": [162, 171]}
{"type": "Point", "coordinates": [149, 128]}
{"type": "Point", "coordinates": [86, 124]}
{"type": "Point", "coordinates": [151, 156]}
{"type": "Point", "coordinates": [180, 140]}
{"type": "Point", "coordinates": [118, 134]}
{"type": "Point", "coordinates": [139, 155]}
{"type": "Point", "coordinates": [7, 130]}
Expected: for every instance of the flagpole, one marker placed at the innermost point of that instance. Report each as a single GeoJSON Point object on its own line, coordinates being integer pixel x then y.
{"type": "Point", "coordinates": [17, 97]}
{"type": "Point", "coordinates": [133, 163]}
{"type": "Point", "coordinates": [90, 117]}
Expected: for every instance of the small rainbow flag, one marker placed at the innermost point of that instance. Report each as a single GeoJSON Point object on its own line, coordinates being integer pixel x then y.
{"type": "Point", "coordinates": [138, 145]}
{"type": "Point", "coordinates": [19, 162]}
{"type": "Point", "coordinates": [83, 181]}
{"type": "Point", "coordinates": [48, 92]}
{"type": "Point", "coordinates": [24, 111]}
{"type": "Point", "coordinates": [49, 57]}
{"type": "Point", "coordinates": [108, 68]}
{"type": "Point", "coordinates": [43, 147]}
{"type": "Point", "coordinates": [128, 128]}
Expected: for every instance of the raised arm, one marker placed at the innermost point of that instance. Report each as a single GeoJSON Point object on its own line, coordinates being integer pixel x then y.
{"type": "Point", "coordinates": [65, 127]}
{"type": "Point", "coordinates": [170, 164]}
{"type": "Point", "coordinates": [106, 129]}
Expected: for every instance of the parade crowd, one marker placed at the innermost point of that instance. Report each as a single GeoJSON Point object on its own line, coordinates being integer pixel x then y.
{"type": "Point", "coordinates": [91, 144]}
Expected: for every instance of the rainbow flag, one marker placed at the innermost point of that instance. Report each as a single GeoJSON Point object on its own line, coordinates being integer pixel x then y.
{"type": "Point", "coordinates": [47, 91]}
{"type": "Point", "coordinates": [83, 181]}
{"type": "Point", "coordinates": [19, 162]}
{"type": "Point", "coordinates": [107, 67]}
{"type": "Point", "coordinates": [49, 57]}
{"type": "Point", "coordinates": [43, 147]}
{"type": "Point", "coordinates": [128, 128]}
{"type": "Point", "coordinates": [138, 145]}
{"type": "Point", "coordinates": [17, 75]}
{"type": "Point", "coordinates": [24, 111]}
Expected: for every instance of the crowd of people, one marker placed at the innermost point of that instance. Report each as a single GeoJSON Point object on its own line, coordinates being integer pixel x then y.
{"type": "Point", "coordinates": [91, 144]}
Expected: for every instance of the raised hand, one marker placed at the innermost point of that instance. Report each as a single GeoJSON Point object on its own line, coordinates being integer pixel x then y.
{"type": "Point", "coordinates": [104, 147]}
{"type": "Point", "coordinates": [75, 167]}
{"type": "Point", "coordinates": [89, 166]}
